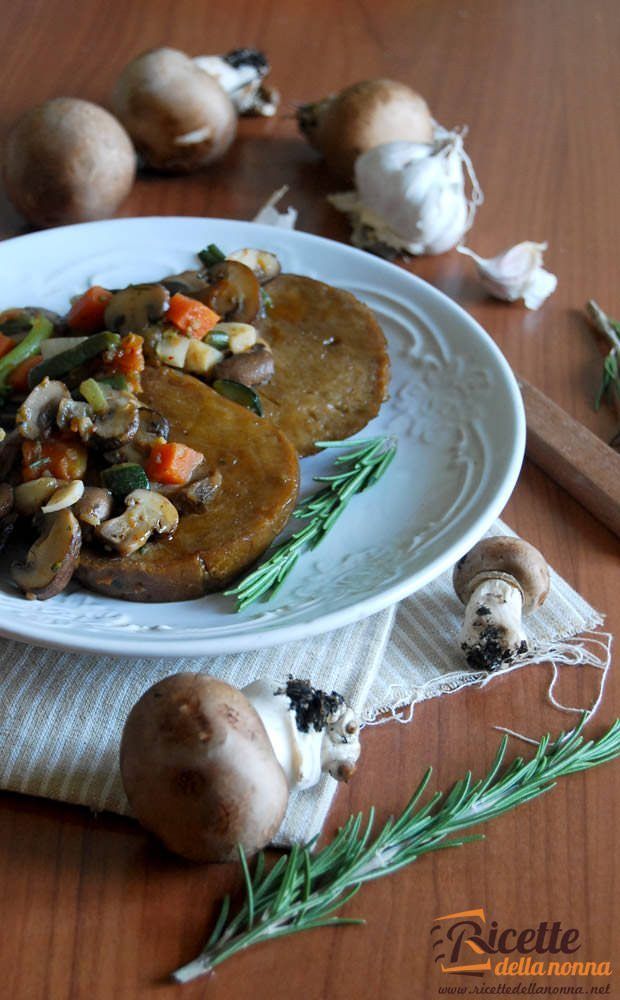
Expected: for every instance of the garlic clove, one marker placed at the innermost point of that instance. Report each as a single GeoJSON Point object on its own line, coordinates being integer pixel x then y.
{"type": "Point", "coordinates": [516, 273]}
{"type": "Point", "coordinates": [65, 496]}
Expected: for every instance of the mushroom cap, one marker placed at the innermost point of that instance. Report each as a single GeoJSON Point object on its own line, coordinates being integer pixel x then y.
{"type": "Point", "coordinates": [132, 309]}
{"type": "Point", "coordinates": [252, 367]}
{"type": "Point", "coordinates": [199, 769]}
{"type": "Point", "coordinates": [119, 423]}
{"type": "Point", "coordinates": [68, 160]}
{"type": "Point", "coordinates": [37, 413]}
{"type": "Point", "coordinates": [264, 264]}
{"type": "Point", "coordinates": [146, 511]}
{"type": "Point", "coordinates": [52, 559]}
{"type": "Point", "coordinates": [94, 506]}
{"type": "Point", "coordinates": [178, 116]}
{"type": "Point", "coordinates": [507, 558]}
{"type": "Point", "coordinates": [234, 291]}
{"type": "Point", "coordinates": [364, 115]}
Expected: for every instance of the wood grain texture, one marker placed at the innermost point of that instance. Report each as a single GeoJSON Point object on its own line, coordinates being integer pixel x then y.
{"type": "Point", "coordinates": [90, 908]}
{"type": "Point", "coordinates": [572, 456]}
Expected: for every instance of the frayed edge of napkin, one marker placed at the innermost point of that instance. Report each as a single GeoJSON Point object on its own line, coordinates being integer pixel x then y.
{"type": "Point", "coordinates": [591, 648]}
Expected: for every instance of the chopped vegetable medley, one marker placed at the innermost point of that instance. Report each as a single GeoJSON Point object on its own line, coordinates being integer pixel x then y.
{"type": "Point", "coordinates": [82, 459]}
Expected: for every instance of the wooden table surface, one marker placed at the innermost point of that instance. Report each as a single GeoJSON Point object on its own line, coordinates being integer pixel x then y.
{"type": "Point", "coordinates": [91, 908]}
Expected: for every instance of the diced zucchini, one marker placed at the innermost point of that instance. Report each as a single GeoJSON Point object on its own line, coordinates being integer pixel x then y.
{"type": "Point", "coordinates": [56, 345]}
{"type": "Point", "coordinates": [67, 361]}
{"type": "Point", "coordinates": [172, 349]}
{"type": "Point", "coordinates": [201, 357]}
{"type": "Point", "coordinates": [123, 479]}
{"type": "Point", "coordinates": [114, 382]}
{"type": "Point", "coordinates": [94, 395]}
{"type": "Point", "coordinates": [238, 393]}
{"type": "Point", "coordinates": [217, 338]}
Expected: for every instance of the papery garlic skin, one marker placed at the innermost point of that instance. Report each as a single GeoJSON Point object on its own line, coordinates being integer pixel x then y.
{"type": "Point", "coordinates": [410, 196]}
{"type": "Point", "coordinates": [269, 215]}
{"type": "Point", "coordinates": [516, 273]}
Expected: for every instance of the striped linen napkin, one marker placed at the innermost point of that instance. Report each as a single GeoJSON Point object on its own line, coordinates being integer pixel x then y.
{"type": "Point", "coordinates": [62, 714]}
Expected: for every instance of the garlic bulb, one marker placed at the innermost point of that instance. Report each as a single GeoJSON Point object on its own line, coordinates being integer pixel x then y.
{"type": "Point", "coordinates": [410, 196]}
{"type": "Point", "coordinates": [516, 273]}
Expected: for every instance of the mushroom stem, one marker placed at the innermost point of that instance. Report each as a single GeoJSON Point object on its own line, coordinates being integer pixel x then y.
{"type": "Point", "coordinates": [500, 580]}
{"type": "Point", "coordinates": [492, 633]}
{"type": "Point", "coordinates": [310, 732]}
{"type": "Point", "coordinates": [240, 73]}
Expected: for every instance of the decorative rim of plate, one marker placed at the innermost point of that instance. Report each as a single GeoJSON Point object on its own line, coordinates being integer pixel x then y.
{"type": "Point", "coordinates": [140, 643]}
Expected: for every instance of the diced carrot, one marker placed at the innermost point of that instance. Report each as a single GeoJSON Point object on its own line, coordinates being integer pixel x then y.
{"type": "Point", "coordinates": [134, 383]}
{"type": "Point", "coordinates": [128, 356]}
{"type": "Point", "coordinates": [191, 317]}
{"type": "Point", "coordinates": [18, 379]}
{"type": "Point", "coordinates": [55, 457]}
{"type": "Point", "coordinates": [172, 463]}
{"type": "Point", "coordinates": [87, 314]}
{"type": "Point", "coordinates": [128, 360]}
{"type": "Point", "coordinates": [6, 344]}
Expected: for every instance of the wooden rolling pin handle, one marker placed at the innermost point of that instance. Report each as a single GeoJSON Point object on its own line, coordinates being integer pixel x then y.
{"type": "Point", "coordinates": [570, 454]}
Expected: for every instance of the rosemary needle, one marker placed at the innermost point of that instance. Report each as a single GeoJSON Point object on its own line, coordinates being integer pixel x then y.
{"type": "Point", "coordinates": [305, 889]}
{"type": "Point", "coordinates": [361, 465]}
{"type": "Point", "coordinates": [610, 328]}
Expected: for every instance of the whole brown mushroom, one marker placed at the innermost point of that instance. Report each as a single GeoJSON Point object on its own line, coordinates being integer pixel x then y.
{"type": "Point", "coordinates": [68, 160]}
{"type": "Point", "coordinates": [362, 116]}
{"type": "Point", "coordinates": [199, 770]}
{"type": "Point", "coordinates": [499, 580]}
{"type": "Point", "coordinates": [178, 116]}
{"type": "Point", "coordinates": [207, 767]}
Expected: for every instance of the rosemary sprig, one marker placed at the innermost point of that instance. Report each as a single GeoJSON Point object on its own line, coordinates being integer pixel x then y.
{"type": "Point", "coordinates": [305, 889]}
{"type": "Point", "coordinates": [610, 328]}
{"type": "Point", "coordinates": [362, 464]}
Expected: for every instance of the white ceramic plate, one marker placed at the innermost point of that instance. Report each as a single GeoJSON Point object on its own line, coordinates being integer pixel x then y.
{"type": "Point", "coordinates": [454, 407]}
